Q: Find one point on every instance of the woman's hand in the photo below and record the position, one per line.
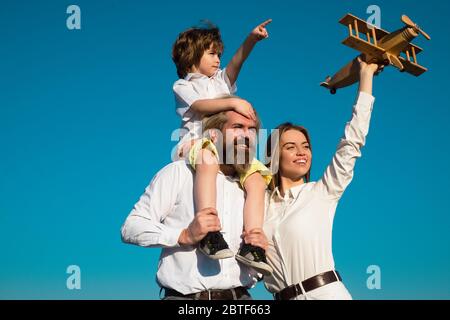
(368, 68)
(366, 73)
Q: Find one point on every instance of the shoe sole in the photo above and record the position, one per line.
(222, 254)
(263, 268)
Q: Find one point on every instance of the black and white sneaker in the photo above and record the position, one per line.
(215, 247)
(254, 257)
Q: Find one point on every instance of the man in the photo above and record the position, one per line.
(165, 217)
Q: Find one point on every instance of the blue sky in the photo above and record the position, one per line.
(86, 117)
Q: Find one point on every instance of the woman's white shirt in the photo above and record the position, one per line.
(299, 224)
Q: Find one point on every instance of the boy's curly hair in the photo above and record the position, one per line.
(190, 45)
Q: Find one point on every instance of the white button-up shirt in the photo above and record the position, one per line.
(165, 209)
(196, 86)
(299, 224)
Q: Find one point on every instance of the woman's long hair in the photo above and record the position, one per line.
(273, 151)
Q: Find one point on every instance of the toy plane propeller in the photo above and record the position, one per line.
(379, 46)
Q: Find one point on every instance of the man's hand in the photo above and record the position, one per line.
(243, 107)
(260, 32)
(256, 237)
(206, 220)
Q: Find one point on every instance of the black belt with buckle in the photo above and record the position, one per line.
(309, 284)
(215, 294)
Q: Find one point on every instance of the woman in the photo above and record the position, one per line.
(299, 216)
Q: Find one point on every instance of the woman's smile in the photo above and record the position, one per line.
(301, 161)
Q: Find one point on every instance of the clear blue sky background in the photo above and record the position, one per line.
(86, 118)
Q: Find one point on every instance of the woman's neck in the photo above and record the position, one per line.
(288, 183)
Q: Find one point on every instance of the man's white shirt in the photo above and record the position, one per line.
(165, 209)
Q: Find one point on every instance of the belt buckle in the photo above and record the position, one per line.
(234, 294)
(298, 290)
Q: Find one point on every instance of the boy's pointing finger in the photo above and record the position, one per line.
(265, 23)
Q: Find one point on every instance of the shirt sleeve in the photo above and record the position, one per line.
(224, 76)
(185, 96)
(144, 225)
(339, 172)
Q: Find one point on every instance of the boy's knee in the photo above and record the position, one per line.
(207, 157)
(208, 163)
(255, 182)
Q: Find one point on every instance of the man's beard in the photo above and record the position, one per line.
(238, 157)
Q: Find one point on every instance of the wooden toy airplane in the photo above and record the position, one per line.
(379, 46)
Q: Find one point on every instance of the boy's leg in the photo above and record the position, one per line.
(255, 189)
(255, 257)
(206, 170)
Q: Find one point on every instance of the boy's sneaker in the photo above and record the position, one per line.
(254, 257)
(215, 247)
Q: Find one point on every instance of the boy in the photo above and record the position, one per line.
(196, 54)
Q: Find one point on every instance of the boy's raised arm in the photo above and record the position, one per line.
(234, 67)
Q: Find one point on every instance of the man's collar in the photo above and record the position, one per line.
(233, 178)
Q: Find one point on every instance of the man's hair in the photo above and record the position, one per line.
(190, 45)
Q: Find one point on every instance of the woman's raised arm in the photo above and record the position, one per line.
(339, 172)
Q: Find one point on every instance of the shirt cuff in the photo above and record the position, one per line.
(170, 236)
(365, 99)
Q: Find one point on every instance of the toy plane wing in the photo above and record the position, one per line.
(367, 44)
(363, 46)
(360, 25)
(409, 61)
(411, 67)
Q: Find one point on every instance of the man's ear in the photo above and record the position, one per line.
(212, 135)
